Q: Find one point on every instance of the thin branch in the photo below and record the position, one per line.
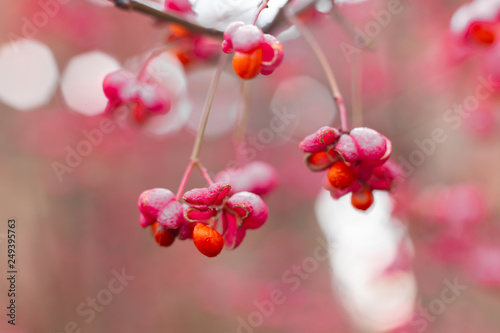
(347, 25)
(313, 43)
(280, 17)
(158, 13)
(208, 105)
(356, 86)
(263, 5)
(184, 180)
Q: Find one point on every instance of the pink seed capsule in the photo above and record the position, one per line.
(272, 54)
(114, 82)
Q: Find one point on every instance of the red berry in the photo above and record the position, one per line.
(482, 33)
(318, 161)
(248, 64)
(139, 112)
(207, 240)
(362, 199)
(341, 175)
(163, 236)
(177, 32)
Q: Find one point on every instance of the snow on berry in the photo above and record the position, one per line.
(214, 195)
(246, 211)
(204, 210)
(255, 52)
(362, 145)
(159, 205)
(357, 162)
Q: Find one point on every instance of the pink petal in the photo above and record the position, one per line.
(182, 6)
(371, 145)
(213, 195)
(145, 220)
(114, 82)
(250, 207)
(233, 235)
(221, 191)
(272, 54)
(319, 140)
(227, 46)
(151, 96)
(171, 216)
(347, 148)
(151, 202)
(384, 176)
(199, 213)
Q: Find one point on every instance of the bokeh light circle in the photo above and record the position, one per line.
(29, 74)
(82, 79)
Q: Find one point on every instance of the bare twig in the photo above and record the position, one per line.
(347, 25)
(158, 13)
(356, 86)
(313, 43)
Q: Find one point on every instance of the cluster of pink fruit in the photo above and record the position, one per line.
(142, 98)
(357, 162)
(214, 216)
(254, 51)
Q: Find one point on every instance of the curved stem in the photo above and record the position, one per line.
(357, 107)
(263, 5)
(184, 180)
(347, 25)
(201, 132)
(208, 105)
(204, 173)
(155, 54)
(242, 118)
(313, 43)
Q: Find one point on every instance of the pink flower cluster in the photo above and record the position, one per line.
(142, 99)
(357, 162)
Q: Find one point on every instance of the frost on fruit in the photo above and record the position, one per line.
(361, 146)
(213, 195)
(159, 205)
(357, 162)
(204, 212)
(255, 52)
